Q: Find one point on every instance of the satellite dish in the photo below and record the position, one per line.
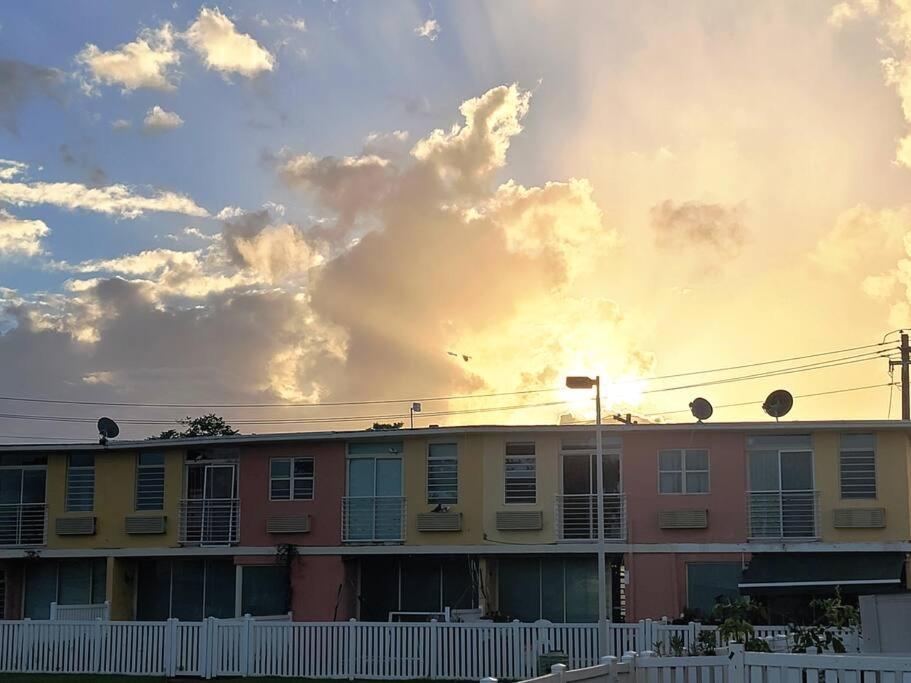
(701, 409)
(778, 403)
(107, 429)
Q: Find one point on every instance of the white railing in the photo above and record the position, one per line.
(789, 515)
(81, 612)
(577, 517)
(209, 521)
(373, 519)
(337, 650)
(23, 524)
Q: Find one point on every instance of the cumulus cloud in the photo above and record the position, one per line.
(159, 120)
(863, 238)
(120, 124)
(274, 252)
(9, 169)
(698, 224)
(147, 62)
(215, 38)
(115, 200)
(430, 29)
(20, 237)
(850, 10)
(20, 82)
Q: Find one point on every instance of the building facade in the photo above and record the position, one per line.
(495, 521)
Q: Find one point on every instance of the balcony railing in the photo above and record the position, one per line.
(23, 524)
(209, 521)
(577, 517)
(373, 519)
(784, 515)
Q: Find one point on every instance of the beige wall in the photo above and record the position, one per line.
(892, 482)
(121, 588)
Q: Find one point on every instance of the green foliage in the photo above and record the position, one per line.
(736, 617)
(833, 615)
(386, 426)
(677, 645)
(204, 425)
(704, 645)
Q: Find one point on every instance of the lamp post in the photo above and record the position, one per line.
(587, 383)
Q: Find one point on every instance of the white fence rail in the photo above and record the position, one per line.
(341, 650)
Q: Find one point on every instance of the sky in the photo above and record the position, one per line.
(236, 207)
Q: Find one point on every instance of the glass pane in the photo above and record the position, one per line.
(265, 590)
(458, 587)
(280, 468)
(82, 460)
(669, 460)
(151, 459)
(375, 448)
(519, 583)
(670, 482)
(697, 460)
(797, 471)
(33, 486)
(10, 486)
(303, 467)
(389, 477)
(195, 479)
(552, 605)
(188, 584)
(153, 590)
(697, 482)
(75, 582)
(40, 588)
(220, 482)
(611, 472)
(764, 471)
(709, 581)
(421, 580)
(220, 580)
(576, 475)
(99, 580)
(360, 476)
(303, 489)
(581, 589)
(281, 489)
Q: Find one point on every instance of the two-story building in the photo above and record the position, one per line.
(497, 520)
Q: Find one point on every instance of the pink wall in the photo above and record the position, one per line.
(658, 585)
(325, 509)
(727, 483)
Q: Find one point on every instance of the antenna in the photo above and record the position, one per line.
(701, 409)
(107, 429)
(778, 403)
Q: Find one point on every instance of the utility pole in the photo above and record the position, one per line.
(904, 363)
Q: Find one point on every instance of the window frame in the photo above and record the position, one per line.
(841, 451)
(291, 478)
(534, 459)
(684, 470)
(453, 499)
(69, 469)
(139, 469)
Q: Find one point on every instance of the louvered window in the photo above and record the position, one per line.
(442, 473)
(858, 466)
(521, 473)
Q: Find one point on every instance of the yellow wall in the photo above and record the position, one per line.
(115, 491)
(471, 503)
(547, 448)
(121, 580)
(892, 481)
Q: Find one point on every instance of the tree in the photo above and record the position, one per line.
(385, 426)
(204, 425)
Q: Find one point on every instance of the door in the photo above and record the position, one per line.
(22, 499)
(579, 502)
(374, 502)
(211, 507)
(782, 499)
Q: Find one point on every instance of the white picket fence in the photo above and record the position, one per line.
(250, 647)
(733, 665)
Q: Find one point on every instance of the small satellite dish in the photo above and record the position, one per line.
(778, 403)
(107, 429)
(701, 409)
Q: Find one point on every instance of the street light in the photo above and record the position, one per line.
(578, 382)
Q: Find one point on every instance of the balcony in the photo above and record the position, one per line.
(23, 524)
(373, 519)
(783, 515)
(209, 521)
(577, 517)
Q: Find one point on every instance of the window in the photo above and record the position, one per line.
(858, 466)
(442, 473)
(80, 483)
(66, 582)
(187, 589)
(150, 481)
(291, 479)
(264, 591)
(683, 471)
(706, 582)
(561, 590)
(521, 484)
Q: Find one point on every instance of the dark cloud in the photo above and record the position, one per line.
(20, 82)
(699, 225)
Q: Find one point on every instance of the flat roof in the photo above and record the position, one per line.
(793, 426)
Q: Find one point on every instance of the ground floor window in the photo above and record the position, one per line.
(186, 589)
(264, 590)
(416, 584)
(709, 582)
(561, 590)
(66, 582)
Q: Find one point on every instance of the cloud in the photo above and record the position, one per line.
(19, 237)
(9, 169)
(20, 82)
(863, 239)
(430, 29)
(147, 62)
(158, 120)
(273, 252)
(216, 40)
(121, 124)
(114, 200)
(295, 23)
(686, 225)
(849, 10)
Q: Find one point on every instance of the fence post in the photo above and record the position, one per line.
(558, 670)
(629, 657)
(96, 647)
(694, 634)
(246, 644)
(517, 664)
(204, 649)
(641, 636)
(53, 614)
(350, 632)
(736, 669)
(432, 665)
(611, 664)
(170, 648)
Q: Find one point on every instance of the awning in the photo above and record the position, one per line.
(853, 572)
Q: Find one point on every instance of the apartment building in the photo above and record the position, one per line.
(501, 520)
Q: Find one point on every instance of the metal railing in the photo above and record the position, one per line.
(373, 519)
(100, 610)
(783, 514)
(209, 521)
(23, 524)
(577, 517)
